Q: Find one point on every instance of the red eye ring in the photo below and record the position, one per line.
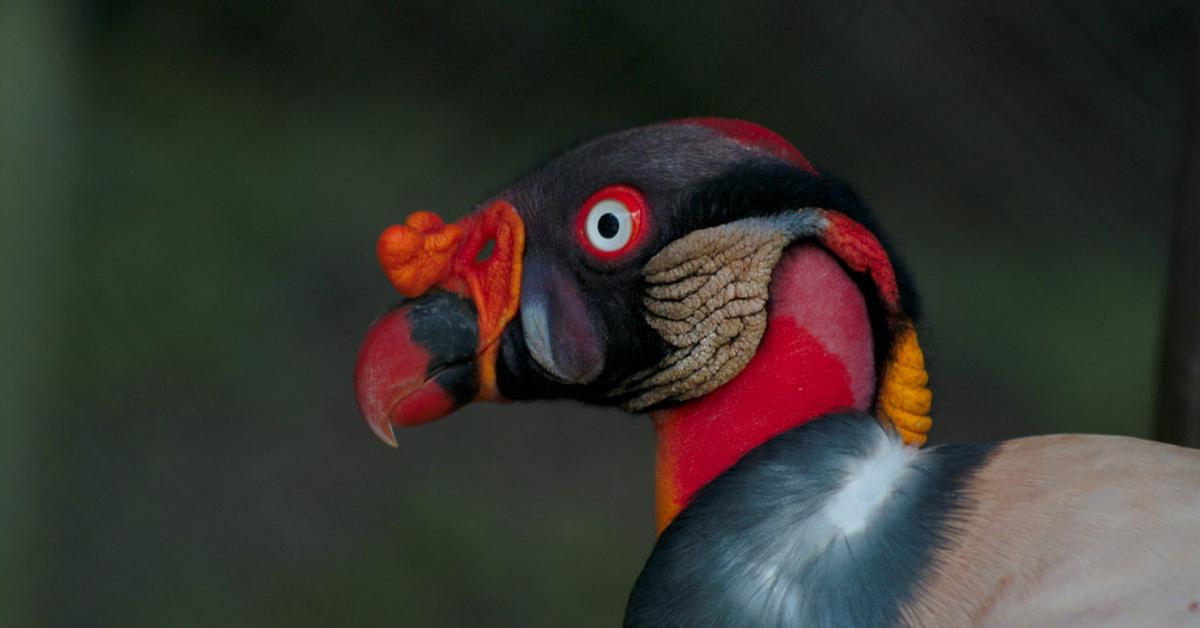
(611, 222)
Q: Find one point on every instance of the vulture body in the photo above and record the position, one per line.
(838, 523)
(703, 272)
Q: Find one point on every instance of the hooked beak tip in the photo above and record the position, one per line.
(384, 430)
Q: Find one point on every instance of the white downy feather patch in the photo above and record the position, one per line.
(869, 481)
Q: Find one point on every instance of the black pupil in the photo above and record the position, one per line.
(608, 226)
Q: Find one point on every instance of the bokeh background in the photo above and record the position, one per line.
(190, 194)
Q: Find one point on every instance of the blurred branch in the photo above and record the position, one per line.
(1179, 390)
(34, 105)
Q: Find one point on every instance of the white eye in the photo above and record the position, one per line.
(612, 222)
(609, 225)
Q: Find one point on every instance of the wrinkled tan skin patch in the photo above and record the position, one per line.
(707, 297)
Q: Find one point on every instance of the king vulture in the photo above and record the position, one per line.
(703, 272)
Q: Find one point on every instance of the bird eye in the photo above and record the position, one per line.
(610, 222)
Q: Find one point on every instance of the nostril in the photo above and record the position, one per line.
(485, 253)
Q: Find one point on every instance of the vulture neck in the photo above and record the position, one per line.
(817, 356)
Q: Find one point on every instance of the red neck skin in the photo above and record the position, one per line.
(816, 357)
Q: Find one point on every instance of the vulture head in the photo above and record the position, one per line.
(700, 270)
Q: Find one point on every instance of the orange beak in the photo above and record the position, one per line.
(437, 351)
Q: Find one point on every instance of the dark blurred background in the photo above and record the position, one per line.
(190, 196)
